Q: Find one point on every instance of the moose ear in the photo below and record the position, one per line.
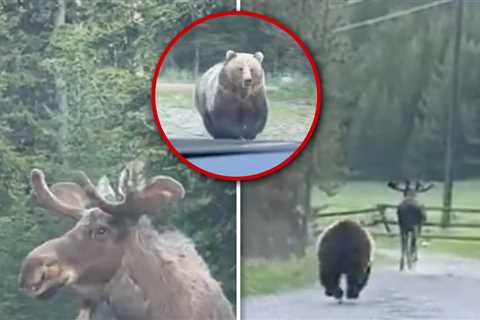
(259, 56)
(161, 189)
(230, 55)
(165, 188)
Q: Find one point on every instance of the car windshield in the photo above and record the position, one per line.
(202, 147)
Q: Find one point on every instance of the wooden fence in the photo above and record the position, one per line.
(379, 217)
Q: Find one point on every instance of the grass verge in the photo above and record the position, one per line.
(265, 277)
(260, 276)
(467, 249)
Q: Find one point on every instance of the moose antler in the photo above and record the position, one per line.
(420, 187)
(98, 199)
(396, 185)
(136, 200)
(409, 188)
(55, 200)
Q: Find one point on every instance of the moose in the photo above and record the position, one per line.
(113, 254)
(344, 248)
(411, 216)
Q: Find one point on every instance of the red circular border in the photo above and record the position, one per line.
(307, 54)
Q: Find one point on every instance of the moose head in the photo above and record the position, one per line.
(89, 255)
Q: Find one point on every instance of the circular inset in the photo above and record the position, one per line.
(255, 102)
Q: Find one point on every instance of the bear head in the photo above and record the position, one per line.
(244, 71)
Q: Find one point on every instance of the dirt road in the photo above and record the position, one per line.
(441, 287)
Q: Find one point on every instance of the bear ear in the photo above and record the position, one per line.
(259, 56)
(230, 55)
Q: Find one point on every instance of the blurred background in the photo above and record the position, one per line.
(75, 94)
(399, 81)
(289, 78)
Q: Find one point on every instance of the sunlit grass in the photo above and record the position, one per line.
(365, 194)
(260, 276)
(467, 249)
(263, 276)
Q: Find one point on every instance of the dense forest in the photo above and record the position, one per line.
(394, 82)
(387, 70)
(74, 94)
(207, 43)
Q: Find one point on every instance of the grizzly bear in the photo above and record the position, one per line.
(231, 98)
(344, 248)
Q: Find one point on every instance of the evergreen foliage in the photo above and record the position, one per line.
(102, 61)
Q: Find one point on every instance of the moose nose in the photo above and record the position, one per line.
(31, 276)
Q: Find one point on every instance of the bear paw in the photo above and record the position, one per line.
(336, 293)
(352, 294)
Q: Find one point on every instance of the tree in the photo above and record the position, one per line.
(104, 54)
(322, 163)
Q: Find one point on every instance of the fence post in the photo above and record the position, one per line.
(383, 217)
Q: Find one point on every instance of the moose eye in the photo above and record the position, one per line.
(99, 232)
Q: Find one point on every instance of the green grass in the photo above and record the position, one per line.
(264, 277)
(467, 249)
(364, 194)
(300, 88)
(175, 75)
(272, 276)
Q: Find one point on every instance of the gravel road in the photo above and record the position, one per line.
(441, 287)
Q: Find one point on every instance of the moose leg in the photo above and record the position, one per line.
(413, 245)
(403, 244)
(87, 308)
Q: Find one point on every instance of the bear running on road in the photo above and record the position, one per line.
(231, 98)
(344, 248)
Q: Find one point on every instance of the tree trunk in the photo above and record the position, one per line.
(452, 119)
(196, 61)
(271, 220)
(60, 89)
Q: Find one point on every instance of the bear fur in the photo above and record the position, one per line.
(231, 98)
(344, 248)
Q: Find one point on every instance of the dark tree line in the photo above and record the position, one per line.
(211, 40)
(386, 88)
(74, 94)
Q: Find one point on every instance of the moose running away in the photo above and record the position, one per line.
(411, 215)
(114, 255)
